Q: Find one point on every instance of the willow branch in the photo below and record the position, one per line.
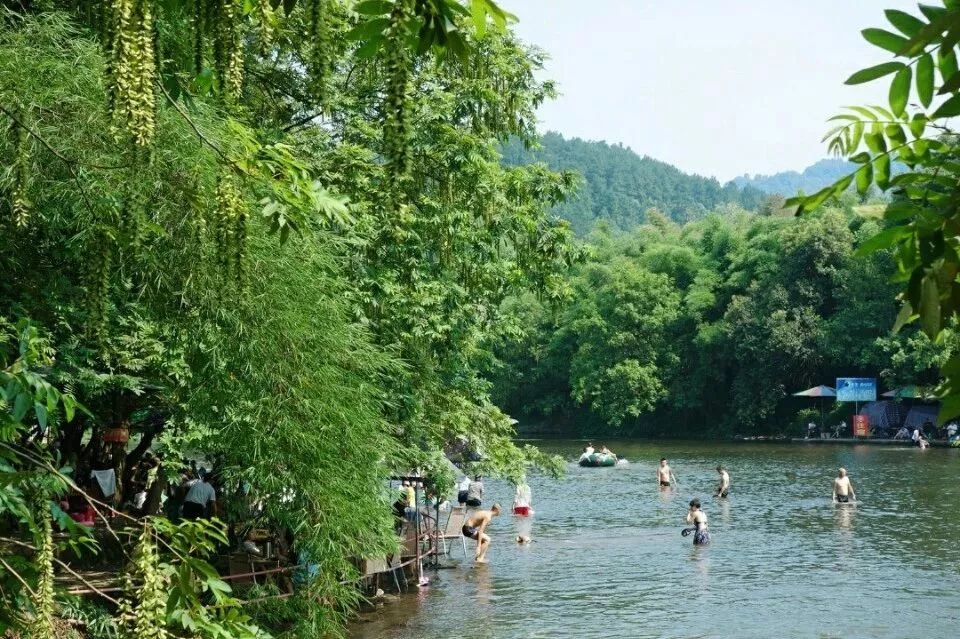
(51, 148)
(66, 567)
(19, 578)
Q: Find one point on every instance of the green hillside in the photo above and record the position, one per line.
(620, 185)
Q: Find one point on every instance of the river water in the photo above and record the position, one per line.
(608, 559)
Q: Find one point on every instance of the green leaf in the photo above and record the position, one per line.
(20, 407)
(40, 410)
(894, 133)
(369, 48)
(925, 79)
(860, 158)
(904, 317)
(882, 240)
(948, 109)
(930, 307)
(951, 85)
(918, 124)
(872, 73)
(69, 406)
(875, 141)
(901, 210)
(884, 39)
(479, 18)
(864, 178)
(881, 171)
(374, 7)
(369, 29)
(905, 23)
(900, 90)
(932, 12)
(947, 63)
(856, 136)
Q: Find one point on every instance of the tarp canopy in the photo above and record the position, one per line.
(817, 391)
(910, 392)
(885, 416)
(919, 415)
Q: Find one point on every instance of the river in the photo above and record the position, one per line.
(608, 559)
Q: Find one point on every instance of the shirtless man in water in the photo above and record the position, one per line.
(842, 488)
(723, 488)
(475, 528)
(665, 476)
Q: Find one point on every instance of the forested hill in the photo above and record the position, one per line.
(788, 183)
(620, 186)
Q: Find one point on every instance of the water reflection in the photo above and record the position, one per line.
(608, 559)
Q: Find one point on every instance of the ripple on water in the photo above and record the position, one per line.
(608, 559)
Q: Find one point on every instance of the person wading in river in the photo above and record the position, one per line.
(723, 488)
(695, 516)
(665, 476)
(475, 528)
(842, 488)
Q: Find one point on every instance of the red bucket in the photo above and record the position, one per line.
(521, 510)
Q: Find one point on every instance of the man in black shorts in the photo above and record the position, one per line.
(474, 528)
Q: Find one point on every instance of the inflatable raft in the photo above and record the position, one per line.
(597, 459)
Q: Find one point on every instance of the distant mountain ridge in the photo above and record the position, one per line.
(620, 186)
(788, 183)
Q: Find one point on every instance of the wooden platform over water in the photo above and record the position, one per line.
(870, 441)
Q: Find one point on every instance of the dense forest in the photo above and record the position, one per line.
(302, 243)
(619, 187)
(706, 328)
(787, 183)
(265, 237)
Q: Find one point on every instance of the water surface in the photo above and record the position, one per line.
(608, 559)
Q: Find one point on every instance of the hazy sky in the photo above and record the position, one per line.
(716, 87)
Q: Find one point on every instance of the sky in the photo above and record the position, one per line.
(715, 87)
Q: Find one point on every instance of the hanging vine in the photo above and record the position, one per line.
(99, 268)
(143, 610)
(228, 47)
(42, 625)
(133, 69)
(321, 60)
(267, 18)
(396, 124)
(20, 205)
(231, 236)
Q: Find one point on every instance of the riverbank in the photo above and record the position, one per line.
(935, 443)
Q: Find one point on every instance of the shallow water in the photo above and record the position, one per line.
(608, 559)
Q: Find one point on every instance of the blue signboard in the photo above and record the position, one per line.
(856, 389)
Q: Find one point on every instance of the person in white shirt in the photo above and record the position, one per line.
(475, 492)
(200, 497)
(462, 489)
(916, 436)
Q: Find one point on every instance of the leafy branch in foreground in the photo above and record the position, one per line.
(923, 220)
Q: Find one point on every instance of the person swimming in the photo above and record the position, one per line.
(842, 488)
(695, 516)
